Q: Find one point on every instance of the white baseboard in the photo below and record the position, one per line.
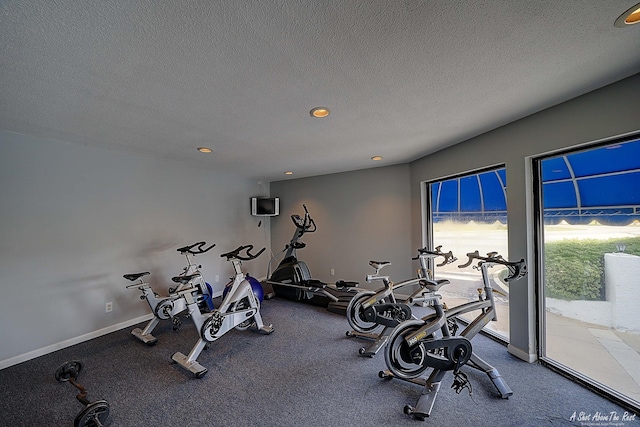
(77, 340)
(520, 354)
(73, 341)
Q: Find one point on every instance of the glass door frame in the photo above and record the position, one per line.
(535, 163)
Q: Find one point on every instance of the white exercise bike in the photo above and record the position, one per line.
(169, 307)
(240, 309)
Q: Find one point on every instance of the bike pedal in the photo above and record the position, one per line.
(176, 323)
(460, 382)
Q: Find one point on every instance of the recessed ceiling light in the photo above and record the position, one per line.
(205, 149)
(376, 158)
(630, 17)
(288, 173)
(319, 112)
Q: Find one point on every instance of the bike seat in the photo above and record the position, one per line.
(185, 279)
(341, 284)
(135, 276)
(378, 264)
(433, 285)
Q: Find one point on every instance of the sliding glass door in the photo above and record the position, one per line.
(469, 213)
(589, 234)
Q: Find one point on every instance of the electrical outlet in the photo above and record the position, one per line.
(333, 272)
(217, 278)
(108, 307)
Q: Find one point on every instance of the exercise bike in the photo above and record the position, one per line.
(416, 345)
(240, 309)
(292, 278)
(169, 307)
(371, 309)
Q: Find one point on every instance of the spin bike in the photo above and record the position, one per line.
(171, 306)
(371, 309)
(240, 309)
(416, 345)
(292, 278)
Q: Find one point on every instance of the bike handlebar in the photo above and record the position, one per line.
(197, 245)
(517, 269)
(448, 256)
(306, 224)
(236, 253)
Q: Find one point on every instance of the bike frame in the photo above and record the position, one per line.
(434, 322)
(163, 308)
(389, 287)
(169, 307)
(212, 326)
(370, 298)
(485, 303)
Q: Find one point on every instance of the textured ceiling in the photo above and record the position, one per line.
(402, 78)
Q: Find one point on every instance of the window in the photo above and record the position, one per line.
(589, 231)
(469, 213)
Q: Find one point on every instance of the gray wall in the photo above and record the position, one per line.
(74, 219)
(361, 216)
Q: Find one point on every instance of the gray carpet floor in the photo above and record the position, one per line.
(307, 373)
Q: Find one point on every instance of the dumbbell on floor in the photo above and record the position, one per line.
(94, 414)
